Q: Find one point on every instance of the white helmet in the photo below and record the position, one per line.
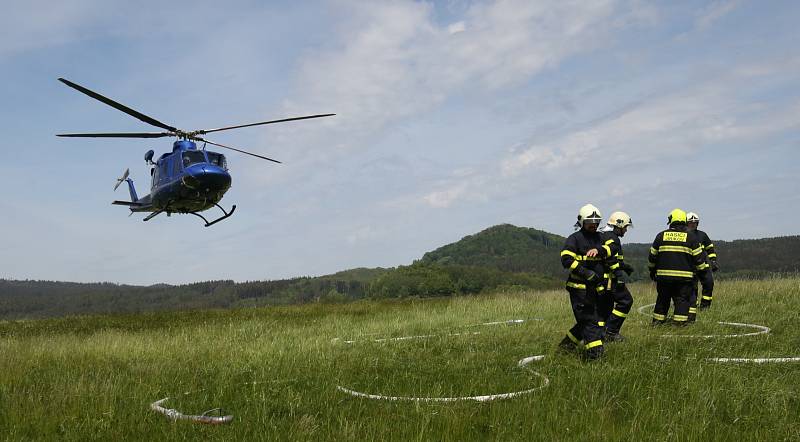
(588, 213)
(692, 217)
(620, 219)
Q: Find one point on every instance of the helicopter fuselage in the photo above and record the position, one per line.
(186, 180)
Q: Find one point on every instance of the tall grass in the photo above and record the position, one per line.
(276, 370)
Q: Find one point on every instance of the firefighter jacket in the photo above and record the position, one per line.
(617, 268)
(708, 246)
(585, 270)
(676, 255)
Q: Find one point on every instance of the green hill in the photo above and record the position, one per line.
(522, 249)
(505, 247)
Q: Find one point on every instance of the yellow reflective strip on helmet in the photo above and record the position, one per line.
(593, 344)
(573, 338)
(575, 263)
(575, 285)
(567, 252)
(680, 318)
(608, 250)
(707, 298)
(678, 273)
(659, 317)
(653, 251)
(692, 309)
(618, 313)
(680, 249)
(601, 323)
(615, 266)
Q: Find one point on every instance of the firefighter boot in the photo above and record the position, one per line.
(566, 345)
(614, 336)
(594, 353)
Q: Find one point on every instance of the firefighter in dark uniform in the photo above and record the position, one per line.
(675, 256)
(619, 304)
(692, 221)
(585, 256)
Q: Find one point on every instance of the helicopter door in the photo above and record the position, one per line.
(161, 174)
(176, 166)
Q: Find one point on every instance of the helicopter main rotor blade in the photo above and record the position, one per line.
(237, 150)
(118, 106)
(122, 135)
(203, 132)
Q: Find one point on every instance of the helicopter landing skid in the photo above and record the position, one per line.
(227, 214)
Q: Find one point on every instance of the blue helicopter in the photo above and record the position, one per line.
(185, 180)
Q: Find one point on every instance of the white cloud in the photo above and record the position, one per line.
(393, 60)
(457, 27)
(678, 124)
(444, 198)
(713, 12)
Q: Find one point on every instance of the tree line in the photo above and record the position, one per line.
(500, 258)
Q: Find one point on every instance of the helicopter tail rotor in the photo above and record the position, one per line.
(122, 178)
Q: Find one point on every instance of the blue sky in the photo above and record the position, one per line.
(452, 116)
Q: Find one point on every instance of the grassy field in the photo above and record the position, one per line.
(277, 371)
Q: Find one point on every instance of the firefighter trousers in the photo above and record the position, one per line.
(621, 303)
(707, 283)
(587, 319)
(679, 292)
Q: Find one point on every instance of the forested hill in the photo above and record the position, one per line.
(504, 247)
(522, 249)
(500, 258)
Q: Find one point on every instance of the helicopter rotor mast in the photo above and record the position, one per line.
(172, 131)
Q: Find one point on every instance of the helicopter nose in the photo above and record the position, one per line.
(210, 177)
(216, 178)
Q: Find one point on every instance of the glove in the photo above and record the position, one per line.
(714, 265)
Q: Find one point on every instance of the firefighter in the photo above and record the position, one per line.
(585, 256)
(692, 221)
(619, 304)
(675, 256)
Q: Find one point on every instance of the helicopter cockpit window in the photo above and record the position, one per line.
(193, 157)
(217, 159)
